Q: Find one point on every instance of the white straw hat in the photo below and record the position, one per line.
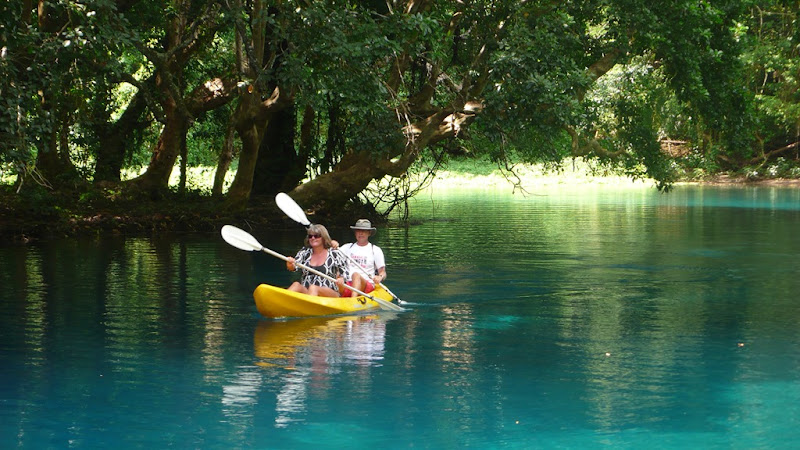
(364, 224)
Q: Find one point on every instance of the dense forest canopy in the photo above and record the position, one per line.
(324, 99)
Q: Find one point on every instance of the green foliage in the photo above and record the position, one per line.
(532, 96)
(720, 75)
(771, 37)
(699, 51)
(206, 138)
(50, 70)
(333, 53)
(16, 98)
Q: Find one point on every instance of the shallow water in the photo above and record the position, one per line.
(573, 317)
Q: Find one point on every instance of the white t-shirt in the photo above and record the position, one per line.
(369, 256)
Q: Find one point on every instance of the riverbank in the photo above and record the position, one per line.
(29, 218)
(528, 177)
(25, 219)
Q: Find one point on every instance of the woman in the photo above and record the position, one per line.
(317, 255)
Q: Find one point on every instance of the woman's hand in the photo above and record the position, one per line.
(290, 264)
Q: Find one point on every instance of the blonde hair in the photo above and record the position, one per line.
(315, 228)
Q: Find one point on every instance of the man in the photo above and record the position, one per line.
(366, 255)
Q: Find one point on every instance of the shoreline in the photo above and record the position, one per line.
(21, 224)
(529, 177)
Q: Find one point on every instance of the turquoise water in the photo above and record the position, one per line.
(594, 317)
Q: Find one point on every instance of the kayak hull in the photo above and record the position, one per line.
(275, 302)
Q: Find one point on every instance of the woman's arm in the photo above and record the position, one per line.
(302, 256)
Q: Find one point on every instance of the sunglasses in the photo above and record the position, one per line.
(315, 236)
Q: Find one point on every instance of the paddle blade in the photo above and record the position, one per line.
(240, 239)
(291, 209)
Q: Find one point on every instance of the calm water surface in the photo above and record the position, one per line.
(572, 318)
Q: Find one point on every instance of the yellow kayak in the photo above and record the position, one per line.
(273, 302)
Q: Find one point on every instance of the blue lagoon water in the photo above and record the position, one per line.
(591, 317)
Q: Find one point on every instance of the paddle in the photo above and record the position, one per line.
(291, 209)
(295, 212)
(245, 241)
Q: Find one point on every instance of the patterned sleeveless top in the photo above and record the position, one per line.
(335, 265)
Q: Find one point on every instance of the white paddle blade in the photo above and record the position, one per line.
(291, 209)
(240, 239)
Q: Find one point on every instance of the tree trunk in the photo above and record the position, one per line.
(225, 158)
(184, 157)
(306, 134)
(357, 170)
(209, 95)
(239, 193)
(252, 118)
(110, 157)
(334, 144)
(333, 189)
(277, 164)
(180, 108)
(156, 178)
(114, 138)
(52, 160)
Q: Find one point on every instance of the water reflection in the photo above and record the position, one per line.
(543, 321)
(305, 355)
(329, 341)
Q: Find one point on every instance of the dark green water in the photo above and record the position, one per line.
(572, 318)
